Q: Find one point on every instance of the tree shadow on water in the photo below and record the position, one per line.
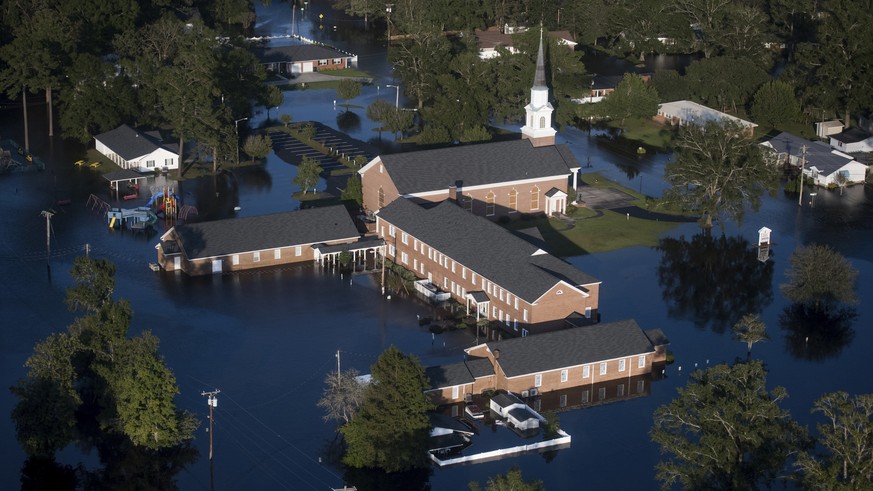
(377, 480)
(713, 281)
(816, 335)
(348, 122)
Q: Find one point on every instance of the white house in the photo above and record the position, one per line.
(853, 140)
(825, 129)
(819, 161)
(688, 112)
(489, 40)
(141, 151)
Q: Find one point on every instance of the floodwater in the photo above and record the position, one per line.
(267, 339)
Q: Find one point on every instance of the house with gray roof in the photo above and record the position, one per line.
(495, 179)
(304, 58)
(137, 150)
(821, 164)
(554, 361)
(236, 244)
(498, 275)
(852, 140)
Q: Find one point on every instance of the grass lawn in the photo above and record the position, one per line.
(641, 201)
(609, 232)
(347, 72)
(646, 131)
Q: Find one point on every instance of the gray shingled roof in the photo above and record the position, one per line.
(852, 135)
(540, 73)
(258, 233)
(473, 165)
(129, 143)
(818, 154)
(458, 373)
(570, 347)
(506, 399)
(304, 52)
(484, 247)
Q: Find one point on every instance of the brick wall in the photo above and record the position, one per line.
(371, 180)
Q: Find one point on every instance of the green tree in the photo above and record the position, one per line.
(511, 481)
(342, 396)
(725, 431)
(94, 385)
(633, 98)
(308, 173)
(286, 119)
(257, 146)
(353, 191)
(476, 134)
(670, 85)
(725, 83)
(390, 430)
(348, 89)
(718, 170)
(93, 284)
(847, 437)
(750, 330)
(775, 104)
(819, 277)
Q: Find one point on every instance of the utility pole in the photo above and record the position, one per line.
(802, 165)
(388, 7)
(48, 214)
(338, 379)
(212, 400)
(87, 250)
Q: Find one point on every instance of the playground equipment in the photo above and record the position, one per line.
(166, 202)
(139, 218)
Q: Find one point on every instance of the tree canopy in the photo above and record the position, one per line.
(93, 383)
(308, 173)
(633, 98)
(725, 431)
(750, 330)
(819, 278)
(390, 430)
(718, 170)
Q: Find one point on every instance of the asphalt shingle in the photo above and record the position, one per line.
(258, 233)
(484, 247)
(473, 165)
(129, 143)
(570, 347)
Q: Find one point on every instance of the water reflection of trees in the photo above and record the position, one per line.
(254, 177)
(817, 335)
(713, 281)
(123, 466)
(348, 121)
(216, 196)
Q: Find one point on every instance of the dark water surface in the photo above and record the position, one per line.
(268, 338)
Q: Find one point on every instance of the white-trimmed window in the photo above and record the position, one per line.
(601, 393)
(391, 230)
(562, 401)
(150, 164)
(453, 266)
(564, 375)
(586, 371)
(430, 254)
(524, 315)
(277, 254)
(404, 238)
(489, 204)
(585, 396)
(464, 273)
(603, 368)
(535, 198)
(414, 264)
(641, 361)
(391, 250)
(381, 196)
(621, 365)
(169, 162)
(501, 294)
(516, 303)
(455, 392)
(508, 298)
(513, 201)
(234, 259)
(298, 250)
(587, 312)
(415, 245)
(474, 279)
(256, 257)
(538, 380)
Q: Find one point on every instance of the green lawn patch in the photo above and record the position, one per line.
(646, 131)
(347, 72)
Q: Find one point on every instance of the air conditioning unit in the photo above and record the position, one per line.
(533, 392)
(524, 393)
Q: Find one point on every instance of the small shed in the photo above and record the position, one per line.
(825, 129)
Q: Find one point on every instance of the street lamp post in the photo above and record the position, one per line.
(396, 96)
(236, 127)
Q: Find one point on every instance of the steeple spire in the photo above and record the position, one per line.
(538, 113)
(540, 75)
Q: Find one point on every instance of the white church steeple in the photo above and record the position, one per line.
(538, 113)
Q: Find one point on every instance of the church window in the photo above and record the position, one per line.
(381, 197)
(535, 198)
(542, 121)
(513, 201)
(489, 204)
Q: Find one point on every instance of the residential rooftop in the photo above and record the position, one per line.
(129, 143)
